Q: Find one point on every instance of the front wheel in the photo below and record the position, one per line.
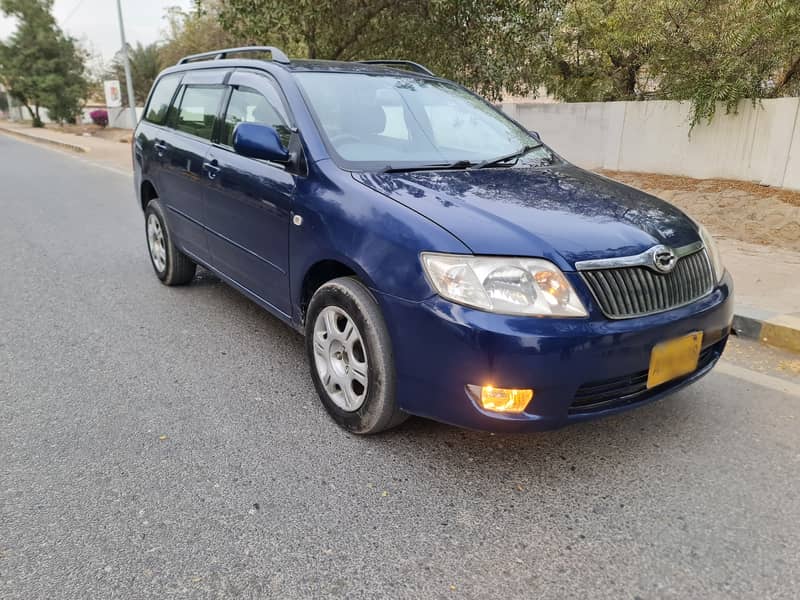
(350, 354)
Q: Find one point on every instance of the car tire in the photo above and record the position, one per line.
(171, 265)
(350, 354)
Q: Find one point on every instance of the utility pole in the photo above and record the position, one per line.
(126, 62)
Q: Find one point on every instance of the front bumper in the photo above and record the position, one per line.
(440, 347)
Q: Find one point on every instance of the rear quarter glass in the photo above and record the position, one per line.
(161, 98)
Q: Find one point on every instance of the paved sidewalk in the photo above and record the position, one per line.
(764, 276)
(767, 278)
(115, 155)
(767, 284)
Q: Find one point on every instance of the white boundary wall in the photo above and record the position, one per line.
(117, 117)
(760, 143)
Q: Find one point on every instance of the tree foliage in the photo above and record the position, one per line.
(705, 51)
(194, 31)
(40, 65)
(496, 47)
(598, 51)
(489, 45)
(723, 51)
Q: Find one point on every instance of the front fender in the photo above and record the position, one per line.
(376, 237)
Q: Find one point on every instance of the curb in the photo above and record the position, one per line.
(772, 329)
(42, 140)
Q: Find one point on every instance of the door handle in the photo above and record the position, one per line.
(160, 147)
(212, 168)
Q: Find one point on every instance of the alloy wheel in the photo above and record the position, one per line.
(340, 358)
(156, 243)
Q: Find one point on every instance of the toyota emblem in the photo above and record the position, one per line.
(664, 259)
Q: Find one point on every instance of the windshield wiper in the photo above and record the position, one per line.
(459, 164)
(506, 157)
(464, 164)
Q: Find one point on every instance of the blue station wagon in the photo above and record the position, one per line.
(440, 260)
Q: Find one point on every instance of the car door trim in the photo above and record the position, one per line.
(226, 239)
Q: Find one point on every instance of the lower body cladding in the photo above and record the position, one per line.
(578, 369)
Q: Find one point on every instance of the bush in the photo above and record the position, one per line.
(99, 117)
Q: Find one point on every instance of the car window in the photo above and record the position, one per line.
(249, 106)
(402, 121)
(460, 130)
(395, 123)
(161, 97)
(198, 110)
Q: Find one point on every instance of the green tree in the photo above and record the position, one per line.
(490, 45)
(145, 62)
(193, 31)
(724, 51)
(327, 29)
(704, 51)
(495, 47)
(598, 52)
(40, 65)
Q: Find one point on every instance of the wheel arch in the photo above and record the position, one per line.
(147, 192)
(323, 271)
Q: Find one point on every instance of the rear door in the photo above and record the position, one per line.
(147, 149)
(250, 201)
(184, 177)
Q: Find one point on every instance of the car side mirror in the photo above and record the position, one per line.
(535, 135)
(256, 140)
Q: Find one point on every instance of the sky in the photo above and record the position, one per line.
(94, 22)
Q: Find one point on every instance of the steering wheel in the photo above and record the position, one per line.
(342, 137)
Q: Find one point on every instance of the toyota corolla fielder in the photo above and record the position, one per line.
(440, 260)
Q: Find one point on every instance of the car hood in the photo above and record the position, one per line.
(561, 213)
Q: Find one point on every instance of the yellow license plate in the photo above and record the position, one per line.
(674, 358)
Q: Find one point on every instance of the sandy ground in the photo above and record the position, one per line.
(731, 209)
(85, 130)
(108, 133)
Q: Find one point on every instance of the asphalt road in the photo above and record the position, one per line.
(160, 443)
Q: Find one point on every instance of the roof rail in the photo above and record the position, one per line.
(277, 54)
(412, 66)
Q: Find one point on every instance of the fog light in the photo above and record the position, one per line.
(501, 399)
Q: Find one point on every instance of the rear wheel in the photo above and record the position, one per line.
(171, 265)
(350, 355)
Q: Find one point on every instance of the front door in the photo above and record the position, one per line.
(250, 201)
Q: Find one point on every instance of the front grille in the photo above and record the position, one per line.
(634, 291)
(611, 393)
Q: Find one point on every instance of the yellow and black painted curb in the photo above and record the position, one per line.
(772, 329)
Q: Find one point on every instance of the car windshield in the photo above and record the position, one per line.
(404, 122)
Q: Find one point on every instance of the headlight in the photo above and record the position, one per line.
(713, 252)
(509, 286)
